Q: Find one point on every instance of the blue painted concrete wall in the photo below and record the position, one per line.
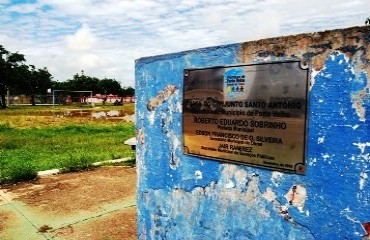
(183, 197)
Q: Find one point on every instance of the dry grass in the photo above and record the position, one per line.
(34, 139)
(47, 116)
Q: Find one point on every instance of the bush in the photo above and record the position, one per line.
(23, 170)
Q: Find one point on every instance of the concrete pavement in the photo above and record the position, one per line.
(97, 204)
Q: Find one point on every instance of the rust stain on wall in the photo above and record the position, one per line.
(316, 47)
(141, 136)
(162, 96)
(366, 227)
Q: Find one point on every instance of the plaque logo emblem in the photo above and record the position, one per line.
(235, 84)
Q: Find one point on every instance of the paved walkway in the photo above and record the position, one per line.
(97, 204)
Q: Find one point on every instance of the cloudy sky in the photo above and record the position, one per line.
(104, 37)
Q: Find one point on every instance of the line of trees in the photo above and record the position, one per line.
(81, 82)
(20, 78)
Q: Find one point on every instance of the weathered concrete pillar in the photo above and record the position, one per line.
(188, 197)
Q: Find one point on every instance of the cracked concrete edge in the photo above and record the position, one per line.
(93, 217)
(56, 171)
(22, 227)
(107, 209)
(33, 221)
(5, 199)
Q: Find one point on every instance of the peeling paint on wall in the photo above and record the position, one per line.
(315, 47)
(219, 212)
(185, 197)
(297, 196)
(161, 97)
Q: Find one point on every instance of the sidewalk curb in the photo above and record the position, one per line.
(57, 171)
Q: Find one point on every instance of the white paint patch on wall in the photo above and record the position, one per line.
(176, 142)
(233, 176)
(179, 107)
(362, 146)
(229, 184)
(151, 117)
(312, 162)
(198, 174)
(241, 177)
(275, 177)
(312, 80)
(325, 156)
(363, 178)
(354, 127)
(269, 195)
(297, 196)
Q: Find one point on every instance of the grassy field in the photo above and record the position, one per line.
(45, 137)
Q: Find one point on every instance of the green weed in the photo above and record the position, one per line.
(72, 145)
(23, 170)
(77, 164)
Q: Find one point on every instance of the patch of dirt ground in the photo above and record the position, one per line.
(4, 220)
(105, 195)
(114, 226)
(71, 192)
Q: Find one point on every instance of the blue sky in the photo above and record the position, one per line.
(104, 37)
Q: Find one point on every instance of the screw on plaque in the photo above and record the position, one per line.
(300, 168)
(303, 64)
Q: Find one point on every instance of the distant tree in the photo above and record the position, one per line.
(109, 86)
(10, 64)
(35, 82)
(56, 85)
(82, 83)
(128, 92)
(367, 21)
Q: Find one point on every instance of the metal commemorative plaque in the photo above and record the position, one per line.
(248, 114)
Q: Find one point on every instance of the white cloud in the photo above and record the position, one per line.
(104, 37)
(4, 39)
(82, 40)
(84, 61)
(23, 8)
